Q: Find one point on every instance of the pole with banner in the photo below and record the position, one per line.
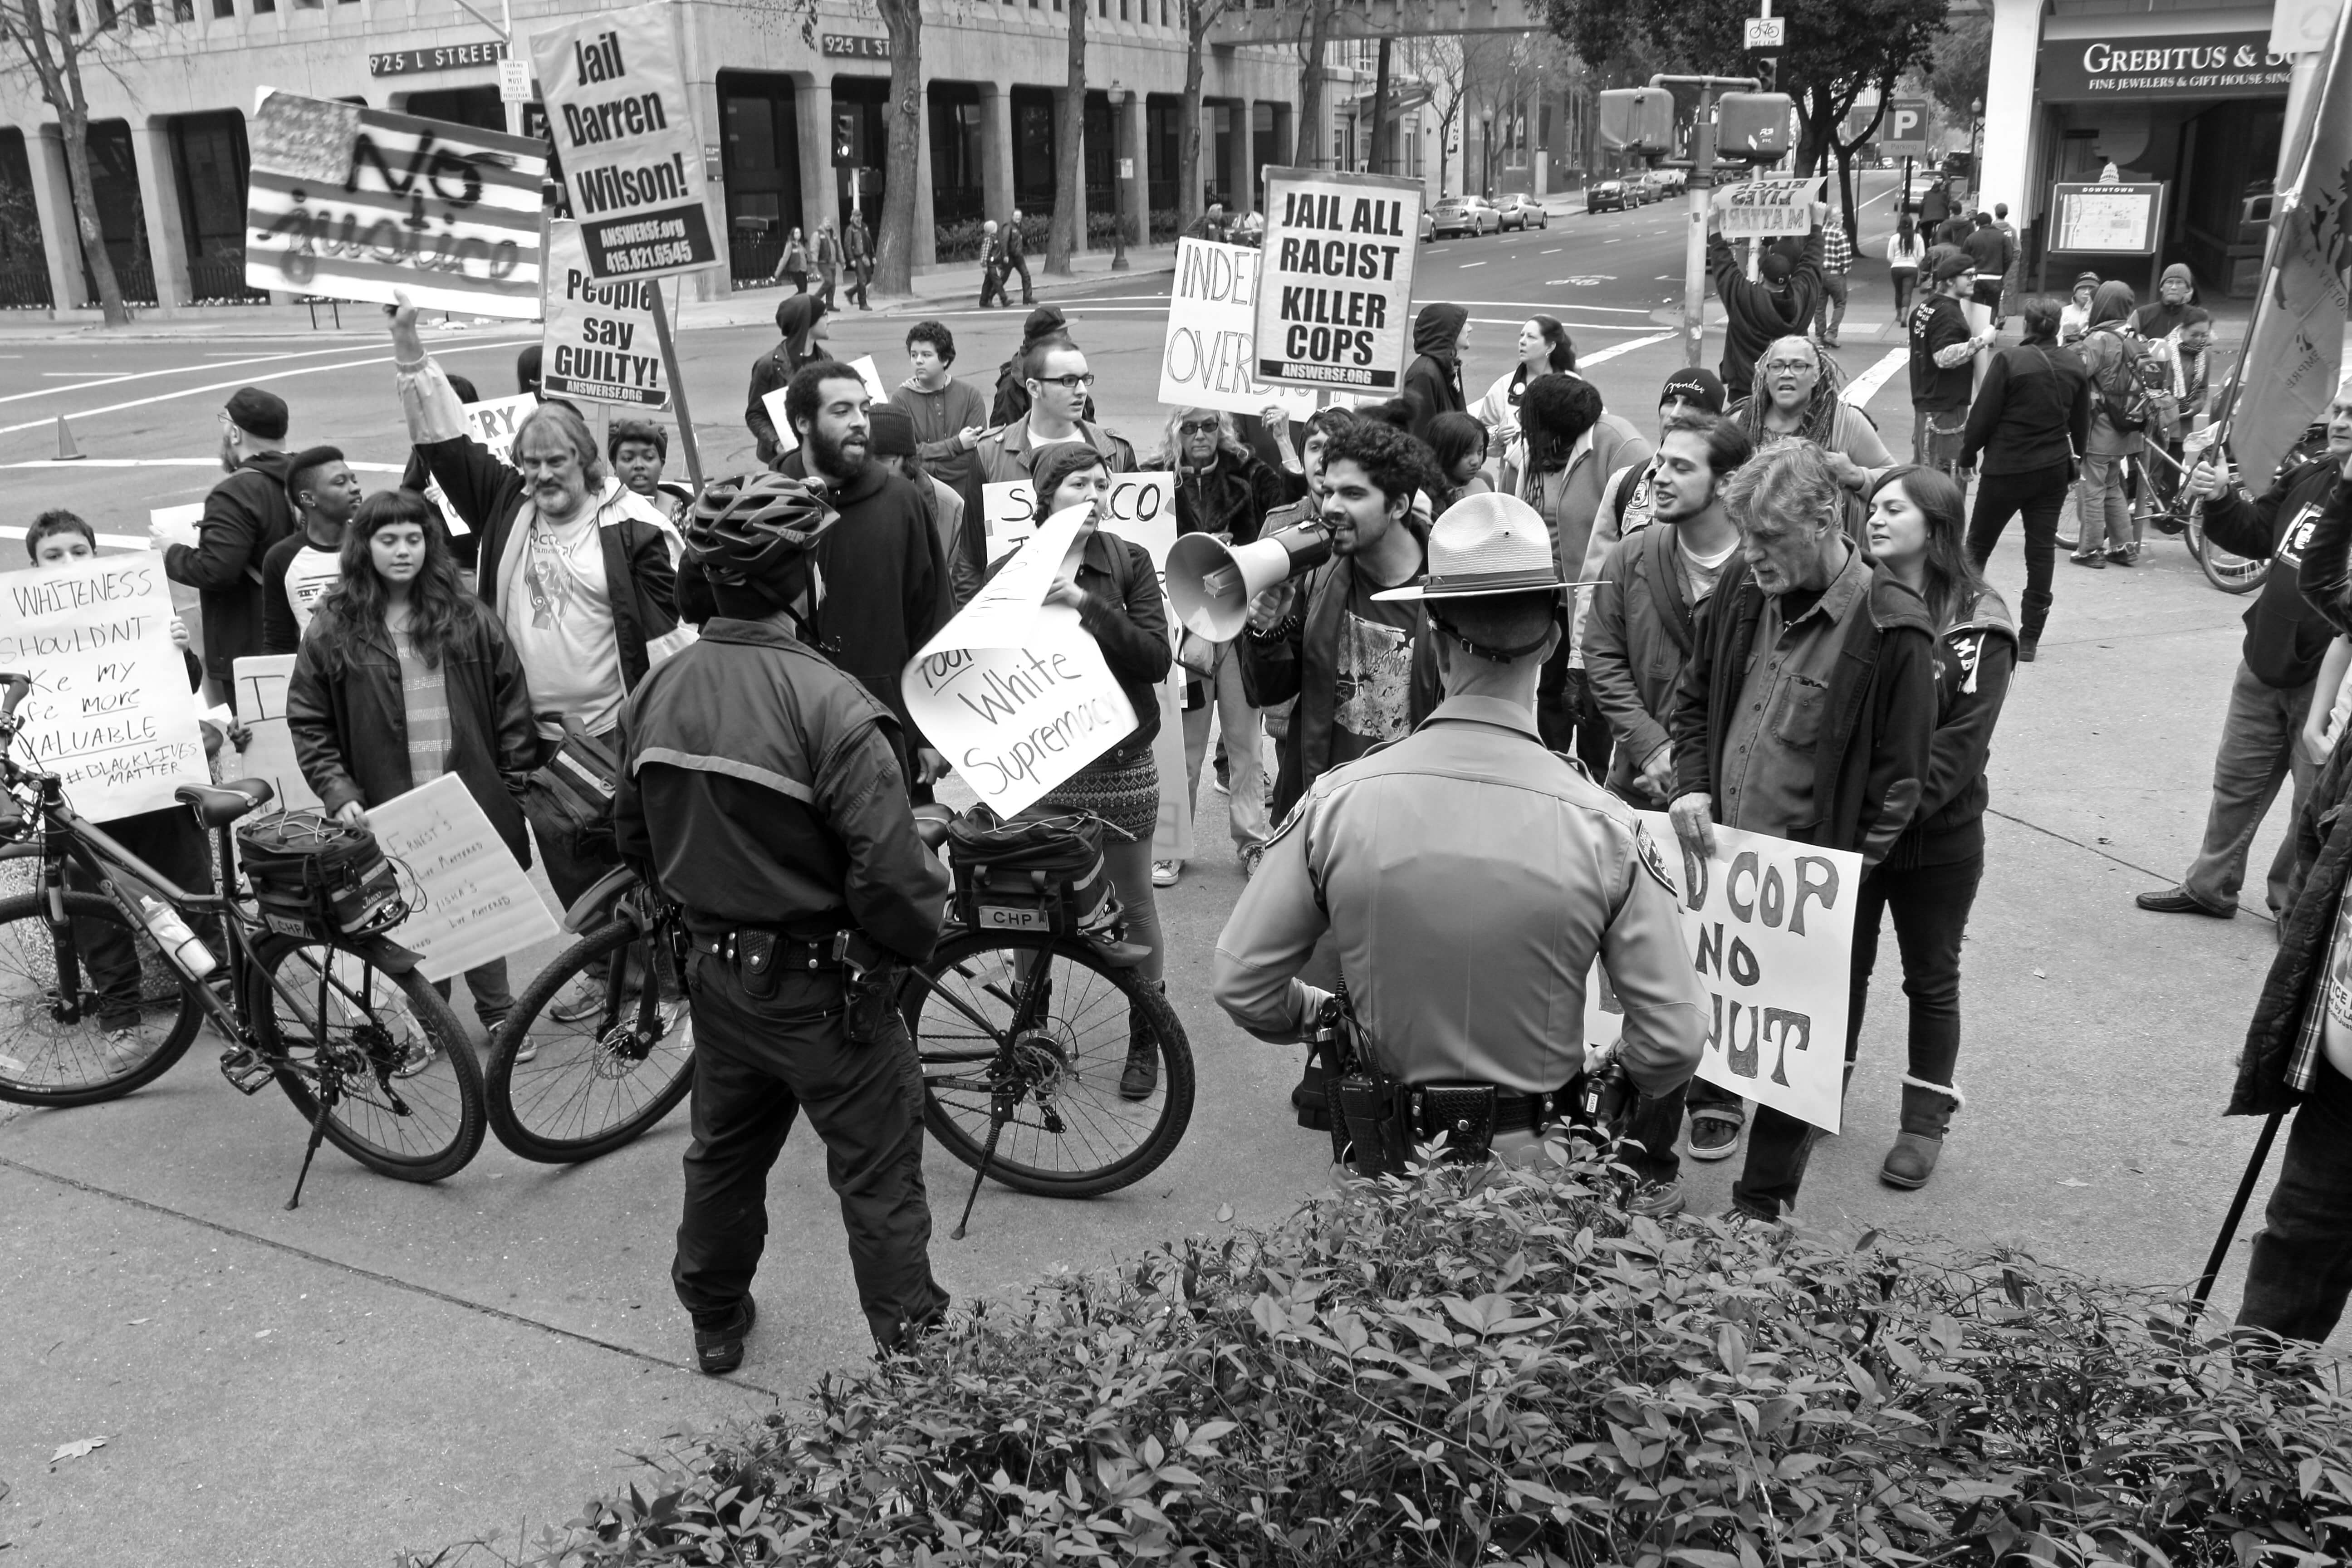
(687, 446)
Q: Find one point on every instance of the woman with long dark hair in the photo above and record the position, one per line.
(1904, 254)
(1115, 592)
(2031, 420)
(1457, 443)
(1544, 349)
(1929, 877)
(405, 676)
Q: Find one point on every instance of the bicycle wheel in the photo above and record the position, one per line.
(600, 1081)
(45, 1060)
(1069, 1132)
(419, 1127)
(2231, 574)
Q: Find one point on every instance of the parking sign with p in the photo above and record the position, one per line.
(1903, 133)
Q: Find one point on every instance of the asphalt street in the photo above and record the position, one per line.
(398, 1366)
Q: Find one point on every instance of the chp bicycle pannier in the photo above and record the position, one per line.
(1047, 877)
(569, 799)
(315, 878)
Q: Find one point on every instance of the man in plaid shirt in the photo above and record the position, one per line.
(1837, 260)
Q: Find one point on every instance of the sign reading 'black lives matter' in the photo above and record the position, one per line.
(618, 114)
(1335, 289)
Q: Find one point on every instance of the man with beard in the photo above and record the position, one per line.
(887, 583)
(245, 515)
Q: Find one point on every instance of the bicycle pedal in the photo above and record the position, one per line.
(245, 1070)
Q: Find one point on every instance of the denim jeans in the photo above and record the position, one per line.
(493, 997)
(2262, 744)
(1237, 723)
(1930, 905)
(2302, 1267)
(1833, 311)
(2102, 515)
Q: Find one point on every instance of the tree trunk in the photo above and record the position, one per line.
(894, 251)
(1308, 152)
(1068, 235)
(73, 125)
(1188, 136)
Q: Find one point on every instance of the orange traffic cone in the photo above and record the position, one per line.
(66, 450)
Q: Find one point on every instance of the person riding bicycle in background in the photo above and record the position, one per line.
(761, 789)
(402, 677)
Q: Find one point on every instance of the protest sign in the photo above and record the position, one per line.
(1139, 507)
(469, 900)
(601, 345)
(169, 525)
(109, 712)
(259, 684)
(1767, 208)
(1335, 293)
(495, 421)
(622, 125)
(773, 402)
(1769, 924)
(1208, 360)
(1014, 690)
(350, 203)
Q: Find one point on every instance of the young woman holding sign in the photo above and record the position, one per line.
(1919, 532)
(1115, 591)
(402, 677)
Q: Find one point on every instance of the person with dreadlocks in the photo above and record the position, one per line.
(1799, 396)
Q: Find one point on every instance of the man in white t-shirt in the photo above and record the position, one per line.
(297, 571)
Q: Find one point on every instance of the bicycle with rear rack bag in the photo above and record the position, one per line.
(103, 983)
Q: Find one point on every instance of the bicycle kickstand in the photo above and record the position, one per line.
(1000, 1113)
(310, 1151)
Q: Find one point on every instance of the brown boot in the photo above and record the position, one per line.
(1927, 1111)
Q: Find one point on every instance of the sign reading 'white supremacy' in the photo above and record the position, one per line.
(354, 203)
(110, 711)
(622, 125)
(1335, 294)
(601, 346)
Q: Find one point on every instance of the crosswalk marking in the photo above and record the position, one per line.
(1865, 386)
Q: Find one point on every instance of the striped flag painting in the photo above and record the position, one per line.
(350, 203)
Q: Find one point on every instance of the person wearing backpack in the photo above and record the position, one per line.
(2111, 355)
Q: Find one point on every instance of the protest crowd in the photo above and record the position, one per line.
(1577, 665)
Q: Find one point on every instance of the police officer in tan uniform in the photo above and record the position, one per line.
(1468, 876)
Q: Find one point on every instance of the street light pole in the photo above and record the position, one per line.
(1119, 165)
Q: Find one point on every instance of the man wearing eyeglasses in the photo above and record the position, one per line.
(1058, 381)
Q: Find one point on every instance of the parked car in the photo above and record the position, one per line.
(1472, 215)
(1608, 195)
(1644, 186)
(1521, 211)
(1428, 225)
(1673, 182)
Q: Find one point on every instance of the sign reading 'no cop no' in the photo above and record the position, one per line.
(624, 132)
(1335, 291)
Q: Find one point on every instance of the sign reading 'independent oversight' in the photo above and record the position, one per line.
(624, 132)
(1335, 290)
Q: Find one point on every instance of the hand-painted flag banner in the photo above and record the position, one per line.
(351, 203)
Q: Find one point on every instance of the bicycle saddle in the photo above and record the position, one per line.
(931, 824)
(219, 807)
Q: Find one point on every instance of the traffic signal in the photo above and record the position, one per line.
(1638, 120)
(1752, 127)
(845, 137)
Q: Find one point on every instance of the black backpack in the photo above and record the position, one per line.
(2123, 381)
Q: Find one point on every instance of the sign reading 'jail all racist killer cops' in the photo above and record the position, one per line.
(622, 125)
(601, 345)
(1335, 291)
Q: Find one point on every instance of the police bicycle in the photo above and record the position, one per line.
(320, 1002)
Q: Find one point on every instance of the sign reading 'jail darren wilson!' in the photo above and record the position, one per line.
(618, 114)
(1335, 291)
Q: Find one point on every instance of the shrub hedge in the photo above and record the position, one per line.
(1442, 1373)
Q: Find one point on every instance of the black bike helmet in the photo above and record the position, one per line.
(757, 530)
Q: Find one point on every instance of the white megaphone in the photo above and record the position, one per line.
(1211, 585)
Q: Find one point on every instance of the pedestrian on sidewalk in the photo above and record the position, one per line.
(1807, 711)
(991, 266)
(1941, 348)
(1992, 251)
(2106, 530)
(828, 265)
(1837, 260)
(2286, 640)
(858, 250)
(793, 264)
(2009, 279)
(1016, 260)
(404, 676)
(2161, 317)
(2030, 419)
(2075, 319)
(1904, 255)
(1929, 879)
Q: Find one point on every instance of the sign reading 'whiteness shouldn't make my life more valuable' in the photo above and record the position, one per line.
(622, 125)
(601, 345)
(350, 203)
(1209, 358)
(110, 711)
(1335, 286)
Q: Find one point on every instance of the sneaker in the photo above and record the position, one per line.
(585, 1003)
(123, 1049)
(1218, 782)
(525, 1049)
(1715, 1132)
(1251, 855)
(2126, 556)
(1657, 1200)
(719, 1351)
(2095, 562)
(1165, 872)
(421, 1052)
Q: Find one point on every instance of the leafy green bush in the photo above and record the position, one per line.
(1447, 1373)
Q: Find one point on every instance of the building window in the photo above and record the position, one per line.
(758, 161)
(209, 158)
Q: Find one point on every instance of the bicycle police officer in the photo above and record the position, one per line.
(1468, 876)
(760, 787)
